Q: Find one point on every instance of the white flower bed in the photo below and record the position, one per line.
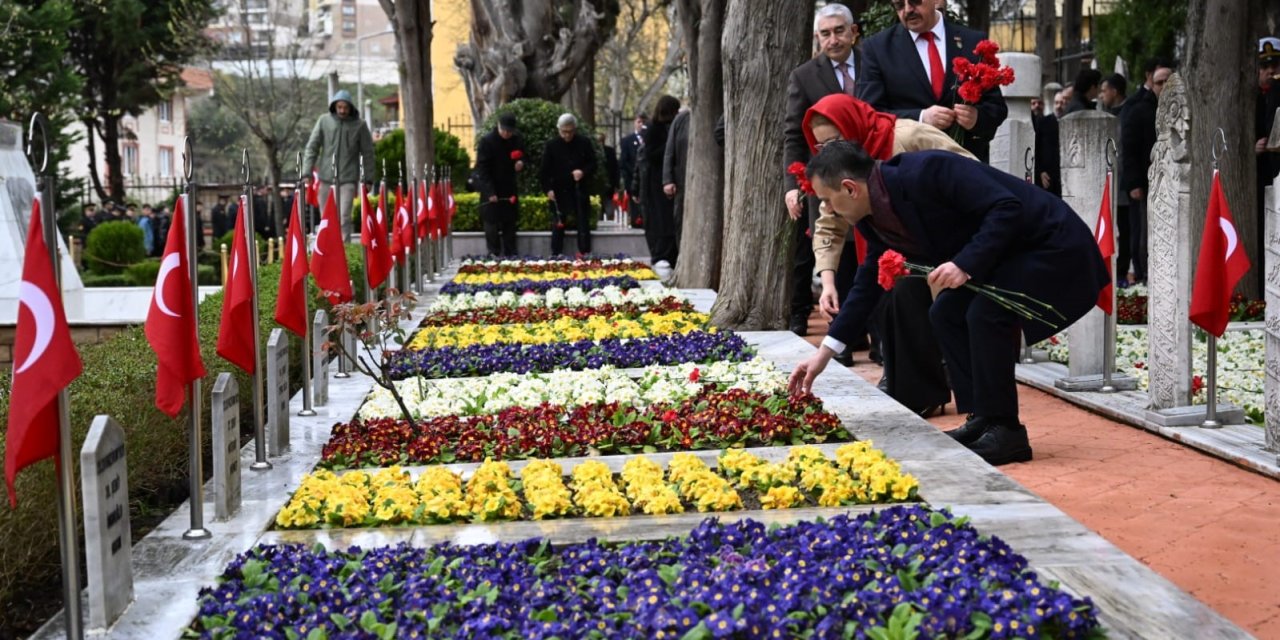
(571, 297)
(488, 262)
(491, 394)
(1241, 372)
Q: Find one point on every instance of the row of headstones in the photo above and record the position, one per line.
(105, 479)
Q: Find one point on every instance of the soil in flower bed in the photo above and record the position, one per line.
(624, 353)
(908, 568)
(858, 475)
(710, 420)
(526, 315)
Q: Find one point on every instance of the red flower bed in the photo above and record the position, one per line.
(523, 315)
(1132, 309)
(709, 420)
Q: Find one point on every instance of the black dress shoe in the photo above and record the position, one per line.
(883, 385)
(1004, 442)
(936, 410)
(845, 358)
(969, 432)
(800, 324)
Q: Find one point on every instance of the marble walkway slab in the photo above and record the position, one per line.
(1134, 602)
(1241, 444)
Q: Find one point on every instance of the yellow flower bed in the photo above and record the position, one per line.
(562, 330)
(859, 474)
(639, 273)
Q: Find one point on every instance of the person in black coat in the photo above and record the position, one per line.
(837, 69)
(659, 208)
(674, 161)
(629, 167)
(977, 225)
(499, 159)
(220, 220)
(611, 174)
(568, 160)
(1137, 137)
(897, 76)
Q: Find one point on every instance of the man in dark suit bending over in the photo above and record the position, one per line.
(977, 225)
(906, 70)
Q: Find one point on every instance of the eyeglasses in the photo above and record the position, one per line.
(899, 5)
(820, 145)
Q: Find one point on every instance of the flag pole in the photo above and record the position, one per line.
(1109, 321)
(68, 543)
(194, 405)
(405, 269)
(300, 192)
(1211, 406)
(260, 462)
(416, 269)
(369, 294)
(342, 360)
(448, 220)
(1028, 354)
(427, 245)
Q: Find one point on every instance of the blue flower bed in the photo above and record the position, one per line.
(541, 286)
(879, 575)
(482, 360)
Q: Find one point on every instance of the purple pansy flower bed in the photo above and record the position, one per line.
(562, 257)
(883, 574)
(541, 286)
(482, 360)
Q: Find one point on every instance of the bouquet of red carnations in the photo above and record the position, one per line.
(976, 78)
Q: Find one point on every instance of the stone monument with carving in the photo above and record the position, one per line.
(1015, 135)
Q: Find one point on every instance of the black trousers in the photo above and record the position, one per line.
(500, 227)
(980, 340)
(1138, 238)
(1124, 241)
(571, 203)
(913, 368)
(802, 265)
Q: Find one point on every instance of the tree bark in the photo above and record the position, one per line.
(582, 95)
(411, 20)
(91, 133)
(111, 147)
(1221, 79)
(1046, 43)
(672, 62)
(703, 227)
(763, 41)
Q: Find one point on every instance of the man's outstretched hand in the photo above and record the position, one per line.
(802, 378)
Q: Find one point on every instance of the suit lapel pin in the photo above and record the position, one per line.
(956, 40)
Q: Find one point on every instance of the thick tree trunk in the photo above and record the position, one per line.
(275, 174)
(703, 230)
(763, 41)
(979, 14)
(1072, 25)
(1221, 79)
(1046, 42)
(91, 134)
(411, 20)
(671, 63)
(111, 147)
(582, 95)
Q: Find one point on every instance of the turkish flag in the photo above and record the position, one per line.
(1221, 265)
(291, 307)
(235, 332)
(329, 257)
(171, 321)
(435, 212)
(373, 235)
(313, 189)
(1104, 233)
(423, 209)
(45, 361)
(451, 207)
(402, 230)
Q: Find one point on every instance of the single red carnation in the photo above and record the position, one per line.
(986, 51)
(517, 154)
(694, 375)
(802, 182)
(892, 266)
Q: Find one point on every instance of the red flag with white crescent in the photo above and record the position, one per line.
(373, 236)
(329, 258)
(1104, 234)
(291, 310)
(45, 360)
(235, 331)
(171, 322)
(313, 189)
(1221, 265)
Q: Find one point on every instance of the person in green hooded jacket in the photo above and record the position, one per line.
(340, 132)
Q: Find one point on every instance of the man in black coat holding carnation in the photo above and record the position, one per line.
(499, 158)
(979, 226)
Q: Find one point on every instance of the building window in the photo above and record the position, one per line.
(165, 110)
(130, 159)
(348, 26)
(166, 162)
(348, 10)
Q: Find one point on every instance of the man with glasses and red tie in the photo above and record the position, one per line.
(834, 70)
(906, 71)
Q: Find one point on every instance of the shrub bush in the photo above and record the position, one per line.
(113, 246)
(536, 120)
(119, 379)
(106, 280)
(143, 274)
(535, 214)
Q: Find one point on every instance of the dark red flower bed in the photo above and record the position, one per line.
(1132, 309)
(523, 315)
(710, 420)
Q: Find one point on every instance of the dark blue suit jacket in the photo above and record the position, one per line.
(997, 228)
(894, 80)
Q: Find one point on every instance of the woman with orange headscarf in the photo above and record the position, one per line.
(914, 374)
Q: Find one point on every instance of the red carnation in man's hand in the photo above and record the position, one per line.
(892, 266)
(517, 154)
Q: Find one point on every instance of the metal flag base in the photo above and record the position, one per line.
(260, 466)
(1194, 416)
(1095, 382)
(307, 413)
(196, 534)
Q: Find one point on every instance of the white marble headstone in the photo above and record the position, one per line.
(320, 356)
(1272, 344)
(277, 393)
(104, 479)
(225, 418)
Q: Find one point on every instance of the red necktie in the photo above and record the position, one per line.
(935, 65)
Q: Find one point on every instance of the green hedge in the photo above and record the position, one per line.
(536, 120)
(535, 213)
(119, 379)
(112, 246)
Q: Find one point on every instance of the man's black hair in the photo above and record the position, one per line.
(840, 160)
(1117, 82)
(1155, 63)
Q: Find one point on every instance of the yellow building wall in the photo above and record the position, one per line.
(452, 28)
